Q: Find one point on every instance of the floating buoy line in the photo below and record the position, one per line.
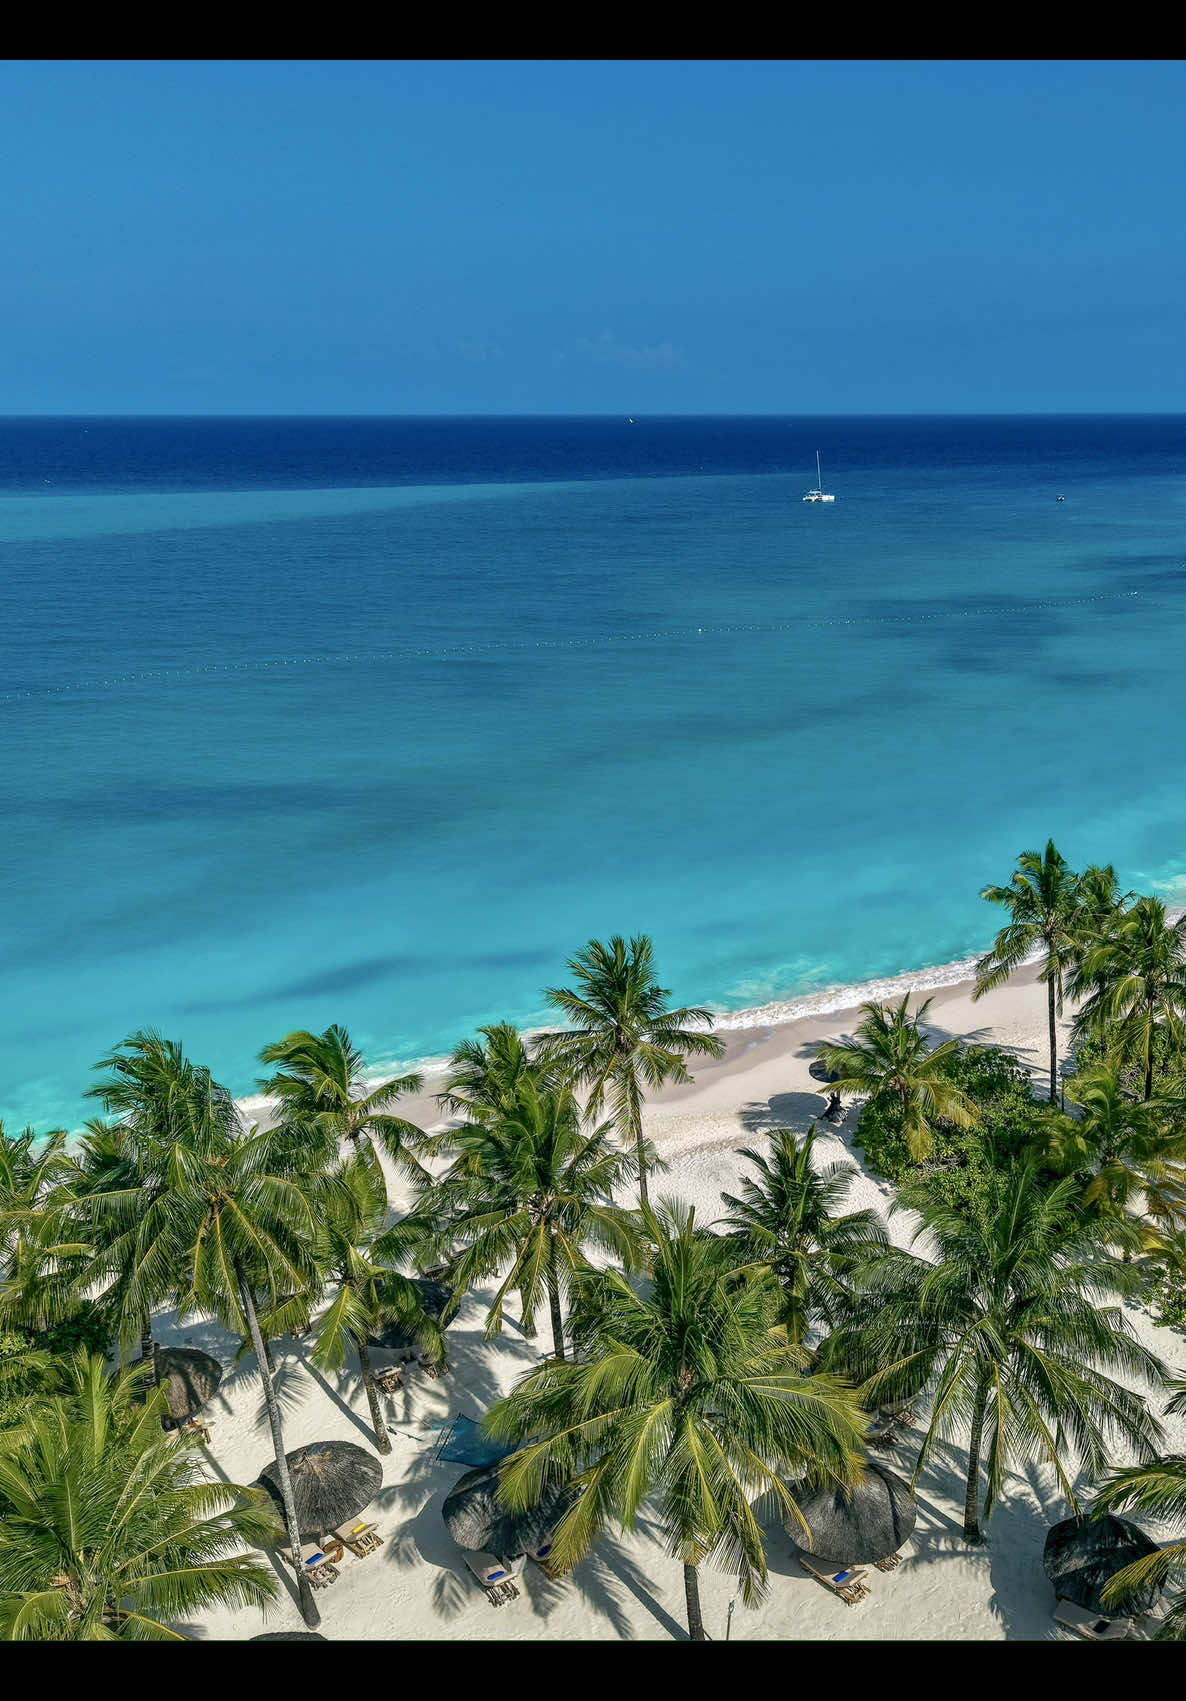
(462, 652)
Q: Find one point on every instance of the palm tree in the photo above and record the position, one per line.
(108, 1534)
(1099, 903)
(40, 1255)
(30, 1377)
(212, 1215)
(1042, 900)
(787, 1217)
(155, 1096)
(485, 1074)
(106, 1162)
(890, 1059)
(1158, 1489)
(686, 1393)
(531, 1192)
(623, 1035)
(1134, 1151)
(1135, 980)
(324, 1096)
(1009, 1326)
(365, 1292)
(249, 1227)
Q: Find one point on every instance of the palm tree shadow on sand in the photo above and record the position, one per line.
(783, 1110)
(599, 1580)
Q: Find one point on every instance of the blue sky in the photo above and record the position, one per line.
(663, 237)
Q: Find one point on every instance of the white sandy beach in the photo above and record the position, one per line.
(416, 1586)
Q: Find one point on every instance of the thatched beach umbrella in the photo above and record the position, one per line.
(819, 1071)
(860, 1526)
(1082, 1555)
(331, 1482)
(397, 1337)
(289, 1636)
(477, 1520)
(189, 1378)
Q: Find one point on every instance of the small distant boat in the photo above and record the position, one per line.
(631, 422)
(819, 494)
(1062, 499)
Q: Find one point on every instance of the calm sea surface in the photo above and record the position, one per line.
(374, 721)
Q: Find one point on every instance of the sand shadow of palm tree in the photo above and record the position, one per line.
(782, 1110)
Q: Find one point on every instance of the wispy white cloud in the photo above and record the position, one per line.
(607, 350)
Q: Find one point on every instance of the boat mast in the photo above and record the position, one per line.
(819, 477)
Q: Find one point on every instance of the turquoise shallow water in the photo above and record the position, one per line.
(303, 726)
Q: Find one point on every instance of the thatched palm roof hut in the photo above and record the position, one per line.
(331, 1482)
(1082, 1555)
(189, 1378)
(396, 1336)
(860, 1526)
(289, 1636)
(477, 1520)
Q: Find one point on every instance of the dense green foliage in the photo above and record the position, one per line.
(686, 1393)
(788, 1217)
(891, 1060)
(107, 1532)
(1009, 1326)
(963, 1161)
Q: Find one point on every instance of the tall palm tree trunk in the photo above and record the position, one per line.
(972, 1497)
(1050, 1007)
(636, 1130)
(148, 1350)
(554, 1299)
(692, 1597)
(1149, 1054)
(382, 1439)
(529, 1329)
(309, 1610)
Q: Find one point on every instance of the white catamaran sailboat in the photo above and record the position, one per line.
(819, 494)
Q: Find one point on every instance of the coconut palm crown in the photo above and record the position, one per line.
(1045, 916)
(789, 1217)
(622, 1037)
(108, 1531)
(1010, 1326)
(322, 1086)
(891, 1057)
(685, 1397)
(1133, 982)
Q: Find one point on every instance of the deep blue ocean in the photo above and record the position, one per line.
(376, 720)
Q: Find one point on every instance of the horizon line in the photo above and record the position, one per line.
(876, 413)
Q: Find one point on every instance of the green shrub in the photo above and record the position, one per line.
(87, 1326)
(964, 1162)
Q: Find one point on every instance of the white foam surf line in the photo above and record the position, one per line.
(933, 978)
(930, 979)
(829, 998)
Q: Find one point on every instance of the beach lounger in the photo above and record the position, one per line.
(891, 1562)
(360, 1537)
(319, 1564)
(843, 1580)
(199, 1427)
(542, 1555)
(388, 1381)
(1091, 1624)
(882, 1433)
(496, 1575)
